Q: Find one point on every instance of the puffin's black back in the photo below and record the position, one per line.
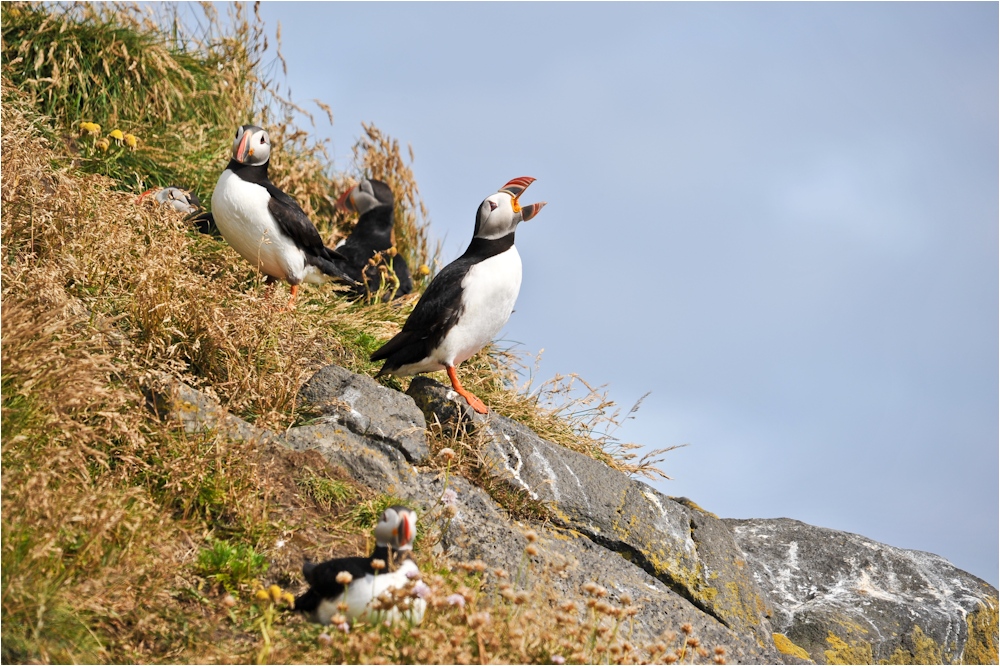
(438, 309)
(322, 578)
(373, 233)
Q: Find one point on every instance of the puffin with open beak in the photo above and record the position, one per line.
(470, 300)
(264, 225)
(374, 202)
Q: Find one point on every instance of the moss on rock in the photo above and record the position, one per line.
(981, 646)
(786, 646)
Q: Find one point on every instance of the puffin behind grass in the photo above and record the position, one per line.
(374, 202)
(266, 226)
(355, 582)
(469, 301)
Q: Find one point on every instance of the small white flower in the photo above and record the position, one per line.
(280, 543)
(558, 659)
(450, 497)
(456, 600)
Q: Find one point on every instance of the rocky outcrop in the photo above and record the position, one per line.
(680, 563)
(846, 599)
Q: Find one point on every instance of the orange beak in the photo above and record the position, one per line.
(345, 202)
(243, 149)
(515, 188)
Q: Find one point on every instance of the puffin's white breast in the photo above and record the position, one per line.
(240, 211)
(489, 291)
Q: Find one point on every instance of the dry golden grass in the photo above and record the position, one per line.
(108, 513)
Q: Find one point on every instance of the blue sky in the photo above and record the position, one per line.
(779, 219)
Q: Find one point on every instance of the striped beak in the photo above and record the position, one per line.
(243, 150)
(515, 188)
(345, 202)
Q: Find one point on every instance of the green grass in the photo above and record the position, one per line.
(231, 565)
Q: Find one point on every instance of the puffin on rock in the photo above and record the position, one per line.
(394, 535)
(373, 200)
(469, 301)
(265, 225)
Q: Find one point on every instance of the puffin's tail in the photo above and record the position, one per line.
(332, 263)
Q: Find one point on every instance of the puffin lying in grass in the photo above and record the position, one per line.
(358, 582)
(373, 200)
(468, 302)
(265, 225)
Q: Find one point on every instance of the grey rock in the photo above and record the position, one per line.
(195, 411)
(369, 461)
(688, 549)
(871, 597)
(368, 409)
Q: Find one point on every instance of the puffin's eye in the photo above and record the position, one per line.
(493, 206)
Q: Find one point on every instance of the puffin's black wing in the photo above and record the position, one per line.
(295, 224)
(436, 312)
(293, 221)
(322, 579)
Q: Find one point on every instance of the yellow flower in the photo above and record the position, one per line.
(262, 595)
(288, 599)
(131, 141)
(103, 144)
(117, 135)
(275, 593)
(424, 270)
(90, 128)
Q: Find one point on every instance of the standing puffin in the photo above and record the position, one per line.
(373, 200)
(468, 302)
(394, 533)
(265, 225)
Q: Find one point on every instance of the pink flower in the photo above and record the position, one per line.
(456, 600)
(450, 497)
(558, 659)
(423, 591)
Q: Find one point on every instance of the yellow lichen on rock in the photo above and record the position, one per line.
(925, 651)
(981, 646)
(841, 652)
(786, 646)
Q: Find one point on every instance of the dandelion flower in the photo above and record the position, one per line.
(275, 593)
(103, 144)
(90, 128)
(117, 135)
(262, 595)
(288, 599)
(424, 270)
(131, 141)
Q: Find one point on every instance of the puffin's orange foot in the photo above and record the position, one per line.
(473, 401)
(291, 301)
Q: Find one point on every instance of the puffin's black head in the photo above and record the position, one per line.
(500, 213)
(366, 195)
(252, 146)
(397, 528)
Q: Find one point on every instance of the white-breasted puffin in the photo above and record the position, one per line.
(374, 202)
(265, 225)
(394, 535)
(469, 301)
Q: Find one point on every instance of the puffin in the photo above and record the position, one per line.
(184, 201)
(374, 202)
(265, 225)
(469, 301)
(394, 535)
